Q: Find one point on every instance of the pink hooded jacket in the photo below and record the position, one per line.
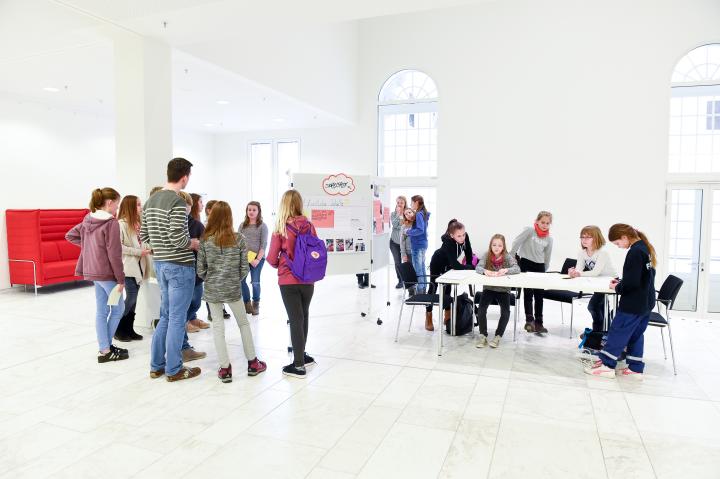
(100, 250)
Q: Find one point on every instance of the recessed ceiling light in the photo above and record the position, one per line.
(279, 120)
(222, 102)
(208, 125)
(52, 89)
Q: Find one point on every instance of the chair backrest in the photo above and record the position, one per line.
(569, 263)
(669, 290)
(407, 274)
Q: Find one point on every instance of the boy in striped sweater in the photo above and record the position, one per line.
(164, 227)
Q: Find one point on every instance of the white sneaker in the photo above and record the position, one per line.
(482, 342)
(495, 341)
(598, 369)
(627, 373)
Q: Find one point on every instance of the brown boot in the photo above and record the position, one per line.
(446, 316)
(428, 321)
(248, 307)
(255, 308)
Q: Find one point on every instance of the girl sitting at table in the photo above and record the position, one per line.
(495, 262)
(455, 253)
(593, 261)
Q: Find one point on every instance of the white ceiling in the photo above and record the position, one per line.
(64, 43)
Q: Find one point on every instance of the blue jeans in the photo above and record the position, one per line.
(194, 307)
(625, 339)
(255, 280)
(176, 289)
(107, 317)
(418, 262)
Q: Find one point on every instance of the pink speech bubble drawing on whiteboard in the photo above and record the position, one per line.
(339, 184)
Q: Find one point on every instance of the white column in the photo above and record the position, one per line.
(143, 112)
(143, 131)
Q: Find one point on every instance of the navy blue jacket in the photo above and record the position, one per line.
(637, 287)
(196, 230)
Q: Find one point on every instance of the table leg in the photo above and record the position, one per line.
(515, 320)
(441, 289)
(453, 310)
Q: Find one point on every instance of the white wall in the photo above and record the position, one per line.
(321, 150)
(314, 63)
(50, 159)
(558, 105)
(53, 158)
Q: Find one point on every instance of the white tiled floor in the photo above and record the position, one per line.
(371, 408)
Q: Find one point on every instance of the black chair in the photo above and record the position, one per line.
(568, 297)
(409, 280)
(666, 296)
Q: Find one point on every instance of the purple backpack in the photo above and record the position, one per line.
(310, 260)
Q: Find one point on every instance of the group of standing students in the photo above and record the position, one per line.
(192, 262)
(530, 252)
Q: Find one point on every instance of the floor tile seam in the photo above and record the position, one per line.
(457, 428)
(357, 419)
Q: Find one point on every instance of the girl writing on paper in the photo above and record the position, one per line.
(625, 336)
(593, 261)
(495, 262)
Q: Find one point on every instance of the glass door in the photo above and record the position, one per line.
(686, 205)
(694, 246)
(272, 164)
(713, 257)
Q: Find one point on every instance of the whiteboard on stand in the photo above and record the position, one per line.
(340, 207)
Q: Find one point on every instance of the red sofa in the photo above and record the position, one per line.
(37, 250)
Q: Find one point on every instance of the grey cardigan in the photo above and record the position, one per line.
(396, 223)
(508, 262)
(223, 270)
(405, 247)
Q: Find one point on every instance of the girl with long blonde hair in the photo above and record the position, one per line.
(296, 295)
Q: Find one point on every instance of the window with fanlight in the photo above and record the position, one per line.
(694, 144)
(407, 126)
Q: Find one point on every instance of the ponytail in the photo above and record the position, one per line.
(99, 196)
(650, 247)
(619, 230)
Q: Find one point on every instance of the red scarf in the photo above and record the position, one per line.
(497, 262)
(541, 233)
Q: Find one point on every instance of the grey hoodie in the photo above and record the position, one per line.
(100, 249)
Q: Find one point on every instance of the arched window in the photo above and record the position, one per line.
(407, 126)
(695, 112)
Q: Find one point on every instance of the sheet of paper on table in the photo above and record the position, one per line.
(458, 274)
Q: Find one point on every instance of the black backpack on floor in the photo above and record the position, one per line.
(463, 316)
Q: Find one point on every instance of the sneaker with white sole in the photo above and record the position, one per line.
(294, 371)
(598, 369)
(627, 373)
(482, 342)
(495, 341)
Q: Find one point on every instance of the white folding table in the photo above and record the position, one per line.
(455, 278)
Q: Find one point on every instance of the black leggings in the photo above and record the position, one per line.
(490, 297)
(530, 266)
(296, 298)
(395, 250)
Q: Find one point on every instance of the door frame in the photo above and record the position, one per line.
(705, 241)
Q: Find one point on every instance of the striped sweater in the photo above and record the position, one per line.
(223, 270)
(165, 228)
